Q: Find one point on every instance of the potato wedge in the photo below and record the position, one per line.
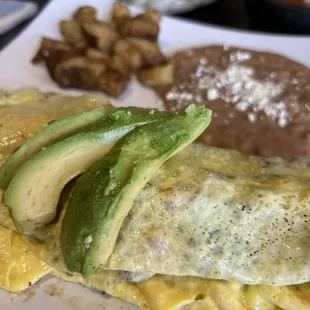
(48, 46)
(151, 54)
(72, 33)
(112, 82)
(95, 54)
(130, 54)
(106, 24)
(100, 36)
(120, 13)
(157, 76)
(150, 15)
(77, 72)
(85, 14)
(57, 57)
(101, 55)
(140, 29)
(120, 65)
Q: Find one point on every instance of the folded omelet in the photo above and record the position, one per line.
(239, 206)
(218, 214)
(20, 265)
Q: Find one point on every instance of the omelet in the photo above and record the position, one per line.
(25, 111)
(22, 261)
(22, 114)
(218, 214)
(163, 292)
(172, 292)
(20, 265)
(134, 276)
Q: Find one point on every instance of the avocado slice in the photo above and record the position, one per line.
(34, 191)
(104, 194)
(53, 132)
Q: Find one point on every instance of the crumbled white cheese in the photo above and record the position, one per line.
(240, 56)
(295, 81)
(203, 61)
(212, 94)
(173, 95)
(252, 117)
(236, 85)
(242, 106)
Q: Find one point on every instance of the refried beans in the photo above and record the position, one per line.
(260, 101)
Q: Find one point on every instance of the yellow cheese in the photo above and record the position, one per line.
(191, 293)
(205, 304)
(289, 297)
(19, 265)
(5, 254)
(255, 301)
(165, 293)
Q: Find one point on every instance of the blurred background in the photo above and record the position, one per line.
(272, 16)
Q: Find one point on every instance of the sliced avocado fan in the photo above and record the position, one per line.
(34, 191)
(104, 194)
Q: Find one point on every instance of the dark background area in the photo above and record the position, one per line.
(227, 13)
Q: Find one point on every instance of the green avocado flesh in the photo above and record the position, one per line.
(51, 133)
(34, 191)
(104, 194)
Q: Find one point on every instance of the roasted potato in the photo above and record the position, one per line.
(57, 57)
(85, 14)
(100, 36)
(151, 54)
(107, 25)
(120, 65)
(95, 54)
(99, 55)
(47, 47)
(120, 14)
(112, 82)
(130, 54)
(150, 15)
(139, 28)
(72, 33)
(157, 76)
(78, 72)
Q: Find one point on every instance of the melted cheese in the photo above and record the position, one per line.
(168, 293)
(19, 264)
(255, 301)
(163, 293)
(191, 293)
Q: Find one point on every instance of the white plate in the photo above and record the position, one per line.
(17, 71)
(170, 6)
